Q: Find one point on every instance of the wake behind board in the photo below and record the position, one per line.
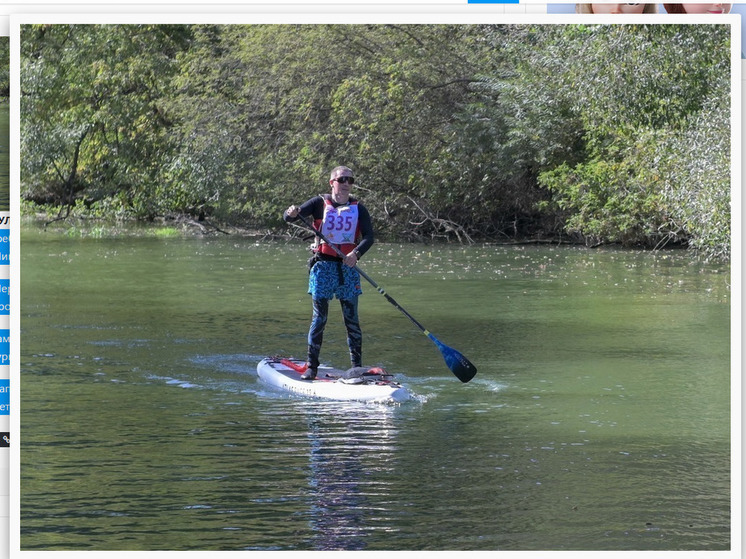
(372, 385)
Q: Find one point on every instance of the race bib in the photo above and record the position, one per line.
(340, 224)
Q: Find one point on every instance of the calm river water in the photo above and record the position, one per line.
(599, 418)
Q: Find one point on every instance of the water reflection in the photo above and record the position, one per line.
(350, 449)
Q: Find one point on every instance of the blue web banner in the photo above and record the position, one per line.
(4, 397)
(4, 296)
(4, 246)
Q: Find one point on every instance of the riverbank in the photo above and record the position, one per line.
(85, 226)
(75, 225)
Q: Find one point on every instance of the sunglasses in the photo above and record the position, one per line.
(348, 180)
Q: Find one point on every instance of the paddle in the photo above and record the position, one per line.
(459, 365)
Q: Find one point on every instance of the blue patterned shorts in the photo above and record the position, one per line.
(324, 281)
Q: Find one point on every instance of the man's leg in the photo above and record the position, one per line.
(316, 336)
(354, 332)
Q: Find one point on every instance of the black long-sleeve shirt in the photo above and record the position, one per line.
(315, 208)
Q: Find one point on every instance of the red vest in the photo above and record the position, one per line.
(341, 226)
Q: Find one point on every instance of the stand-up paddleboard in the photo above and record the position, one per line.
(361, 383)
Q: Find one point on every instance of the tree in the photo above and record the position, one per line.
(591, 109)
(4, 66)
(93, 126)
(458, 132)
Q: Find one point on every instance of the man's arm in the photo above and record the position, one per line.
(366, 230)
(312, 207)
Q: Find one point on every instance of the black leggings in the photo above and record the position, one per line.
(352, 324)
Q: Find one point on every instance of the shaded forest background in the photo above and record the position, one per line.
(470, 133)
(4, 67)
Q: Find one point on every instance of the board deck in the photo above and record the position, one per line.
(330, 383)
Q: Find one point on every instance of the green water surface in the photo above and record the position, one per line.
(599, 418)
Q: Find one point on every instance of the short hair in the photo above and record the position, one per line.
(340, 169)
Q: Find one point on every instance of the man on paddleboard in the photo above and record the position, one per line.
(346, 223)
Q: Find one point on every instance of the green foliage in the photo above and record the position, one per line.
(609, 139)
(4, 66)
(696, 179)
(607, 201)
(614, 133)
(93, 125)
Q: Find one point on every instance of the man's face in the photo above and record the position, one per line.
(342, 183)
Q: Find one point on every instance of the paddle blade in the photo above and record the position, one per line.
(459, 365)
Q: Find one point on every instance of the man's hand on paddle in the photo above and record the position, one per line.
(351, 259)
(293, 211)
